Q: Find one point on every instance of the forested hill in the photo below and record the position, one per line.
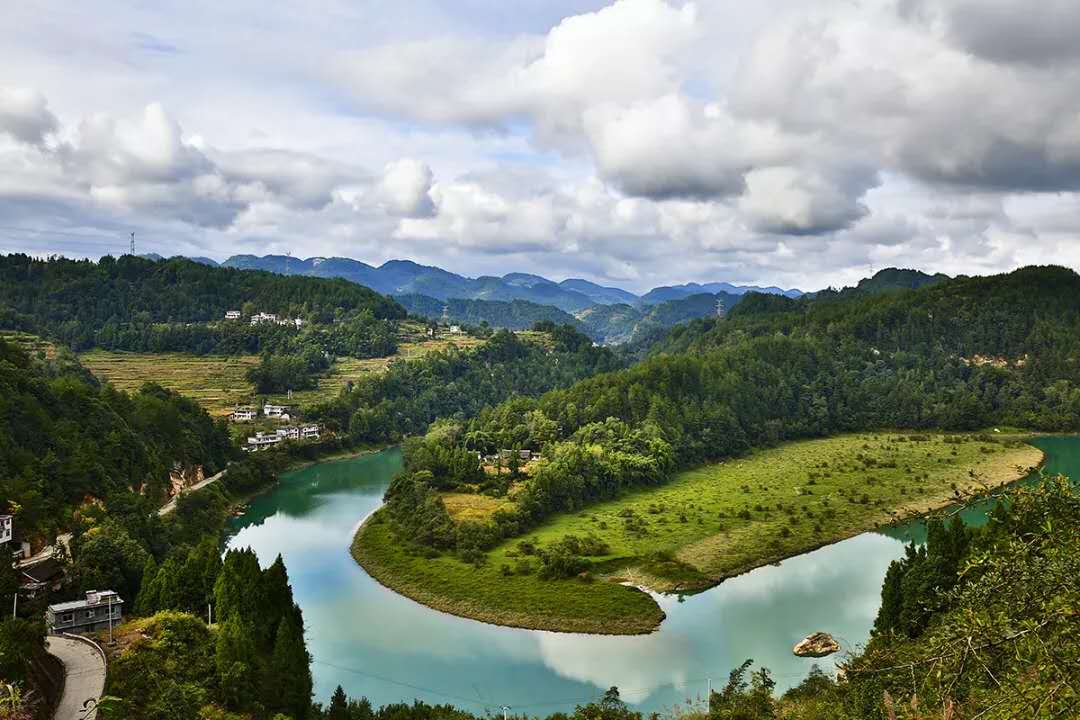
(512, 315)
(963, 355)
(65, 439)
(71, 299)
(1032, 311)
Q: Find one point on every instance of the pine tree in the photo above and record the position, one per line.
(236, 657)
(339, 706)
(277, 594)
(146, 603)
(288, 682)
(238, 589)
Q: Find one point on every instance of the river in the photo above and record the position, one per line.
(376, 643)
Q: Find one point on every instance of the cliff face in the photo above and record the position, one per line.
(181, 477)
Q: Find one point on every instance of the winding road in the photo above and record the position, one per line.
(84, 676)
(171, 505)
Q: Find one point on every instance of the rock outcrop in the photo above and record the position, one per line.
(817, 645)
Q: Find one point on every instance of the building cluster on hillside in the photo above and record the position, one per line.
(262, 440)
(265, 318)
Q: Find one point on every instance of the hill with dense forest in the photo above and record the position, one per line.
(961, 355)
(65, 439)
(131, 303)
(513, 315)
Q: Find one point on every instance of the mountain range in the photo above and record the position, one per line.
(404, 277)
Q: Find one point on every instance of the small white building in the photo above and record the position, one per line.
(455, 329)
(261, 440)
(310, 432)
(262, 317)
(232, 314)
(243, 414)
(276, 411)
(7, 529)
(289, 433)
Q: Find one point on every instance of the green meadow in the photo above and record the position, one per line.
(706, 525)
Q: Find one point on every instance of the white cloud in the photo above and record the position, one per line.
(644, 141)
(25, 115)
(405, 188)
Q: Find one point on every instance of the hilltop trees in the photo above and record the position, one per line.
(130, 303)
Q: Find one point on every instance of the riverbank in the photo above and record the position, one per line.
(707, 525)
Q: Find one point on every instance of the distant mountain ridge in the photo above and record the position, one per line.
(678, 292)
(405, 277)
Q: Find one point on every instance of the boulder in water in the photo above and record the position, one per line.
(817, 645)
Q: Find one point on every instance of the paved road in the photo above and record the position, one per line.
(84, 676)
(171, 505)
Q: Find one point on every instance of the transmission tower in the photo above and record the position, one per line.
(132, 243)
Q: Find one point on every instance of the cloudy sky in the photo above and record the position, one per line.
(634, 142)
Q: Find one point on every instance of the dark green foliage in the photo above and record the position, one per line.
(107, 557)
(457, 383)
(287, 686)
(20, 641)
(65, 439)
(915, 586)
(280, 373)
(513, 315)
(131, 303)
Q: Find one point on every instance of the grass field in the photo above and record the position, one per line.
(707, 524)
(218, 384)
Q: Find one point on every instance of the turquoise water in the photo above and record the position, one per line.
(376, 643)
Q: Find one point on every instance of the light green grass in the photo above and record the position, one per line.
(218, 382)
(688, 535)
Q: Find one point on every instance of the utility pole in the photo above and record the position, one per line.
(209, 615)
(709, 696)
(15, 605)
(110, 619)
(132, 242)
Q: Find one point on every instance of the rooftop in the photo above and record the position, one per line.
(101, 598)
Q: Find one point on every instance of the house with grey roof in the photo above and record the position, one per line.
(96, 612)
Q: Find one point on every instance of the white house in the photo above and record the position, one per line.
(242, 414)
(310, 432)
(275, 411)
(6, 529)
(262, 317)
(455, 329)
(232, 314)
(264, 440)
(289, 433)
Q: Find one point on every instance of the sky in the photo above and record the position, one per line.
(635, 143)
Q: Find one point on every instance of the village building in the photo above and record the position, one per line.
(262, 440)
(98, 611)
(259, 318)
(310, 432)
(280, 412)
(455, 329)
(40, 576)
(243, 414)
(232, 314)
(289, 433)
(7, 529)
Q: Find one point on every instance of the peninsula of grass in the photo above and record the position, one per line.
(706, 525)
